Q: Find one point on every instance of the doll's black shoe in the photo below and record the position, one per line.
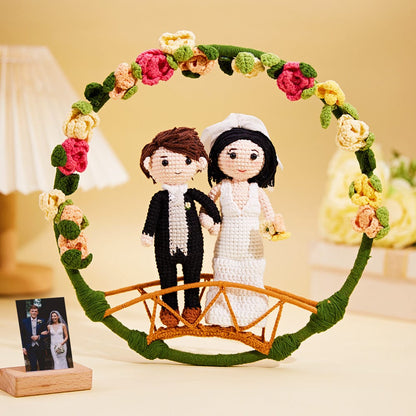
(191, 314)
(168, 318)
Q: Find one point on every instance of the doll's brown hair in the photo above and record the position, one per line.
(182, 140)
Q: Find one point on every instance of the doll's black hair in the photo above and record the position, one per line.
(265, 177)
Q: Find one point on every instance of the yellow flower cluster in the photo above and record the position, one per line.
(257, 68)
(331, 92)
(80, 126)
(170, 42)
(365, 193)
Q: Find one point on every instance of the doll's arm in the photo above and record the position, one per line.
(209, 216)
(151, 220)
(268, 212)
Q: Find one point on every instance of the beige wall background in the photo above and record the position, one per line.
(368, 47)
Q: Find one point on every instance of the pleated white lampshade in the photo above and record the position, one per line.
(35, 100)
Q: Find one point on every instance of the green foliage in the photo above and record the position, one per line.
(383, 216)
(69, 229)
(97, 94)
(67, 184)
(369, 141)
(172, 63)
(276, 70)
(367, 161)
(136, 70)
(183, 53)
(190, 74)
(347, 108)
(83, 107)
(225, 65)
(130, 92)
(210, 52)
(382, 233)
(351, 190)
(307, 70)
(269, 59)
(308, 93)
(326, 115)
(245, 62)
(376, 183)
(58, 156)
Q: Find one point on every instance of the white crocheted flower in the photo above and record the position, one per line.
(170, 42)
(267, 230)
(49, 202)
(351, 134)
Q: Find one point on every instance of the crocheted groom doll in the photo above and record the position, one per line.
(172, 224)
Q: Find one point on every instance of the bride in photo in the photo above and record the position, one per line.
(59, 336)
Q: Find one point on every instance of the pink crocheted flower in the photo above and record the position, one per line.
(76, 156)
(366, 221)
(292, 82)
(80, 243)
(155, 66)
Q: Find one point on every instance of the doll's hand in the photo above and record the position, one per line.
(147, 240)
(279, 224)
(206, 221)
(215, 229)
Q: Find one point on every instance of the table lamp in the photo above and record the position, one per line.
(35, 97)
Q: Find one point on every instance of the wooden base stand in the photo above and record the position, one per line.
(25, 279)
(19, 383)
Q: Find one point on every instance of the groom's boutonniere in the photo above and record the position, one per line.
(40, 321)
(187, 205)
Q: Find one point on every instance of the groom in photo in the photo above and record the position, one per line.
(32, 340)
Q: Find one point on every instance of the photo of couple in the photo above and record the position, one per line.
(44, 334)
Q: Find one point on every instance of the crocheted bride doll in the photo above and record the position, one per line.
(243, 160)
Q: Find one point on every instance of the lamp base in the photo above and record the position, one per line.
(25, 279)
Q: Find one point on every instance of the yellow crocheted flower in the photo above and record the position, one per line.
(258, 67)
(170, 42)
(331, 92)
(351, 134)
(49, 202)
(199, 63)
(365, 193)
(80, 126)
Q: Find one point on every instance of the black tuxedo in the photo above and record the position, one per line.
(35, 353)
(157, 225)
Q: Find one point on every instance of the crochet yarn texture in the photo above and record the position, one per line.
(178, 51)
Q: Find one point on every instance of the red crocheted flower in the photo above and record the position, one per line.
(292, 82)
(155, 66)
(76, 156)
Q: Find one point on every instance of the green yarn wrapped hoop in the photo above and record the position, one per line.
(94, 303)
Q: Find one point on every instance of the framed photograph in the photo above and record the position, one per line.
(44, 333)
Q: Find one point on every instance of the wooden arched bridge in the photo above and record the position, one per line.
(239, 333)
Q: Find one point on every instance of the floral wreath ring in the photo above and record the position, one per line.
(179, 51)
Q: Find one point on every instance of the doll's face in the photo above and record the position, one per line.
(241, 160)
(172, 168)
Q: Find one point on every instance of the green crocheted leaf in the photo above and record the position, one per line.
(67, 184)
(130, 92)
(71, 259)
(269, 59)
(183, 53)
(245, 62)
(97, 95)
(383, 216)
(351, 190)
(172, 63)
(85, 223)
(86, 262)
(276, 70)
(376, 183)
(347, 108)
(69, 229)
(225, 65)
(60, 210)
(308, 93)
(369, 141)
(190, 74)
(58, 156)
(109, 83)
(83, 107)
(367, 161)
(136, 70)
(382, 233)
(326, 115)
(307, 70)
(210, 52)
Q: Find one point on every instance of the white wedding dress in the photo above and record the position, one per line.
(238, 258)
(57, 336)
